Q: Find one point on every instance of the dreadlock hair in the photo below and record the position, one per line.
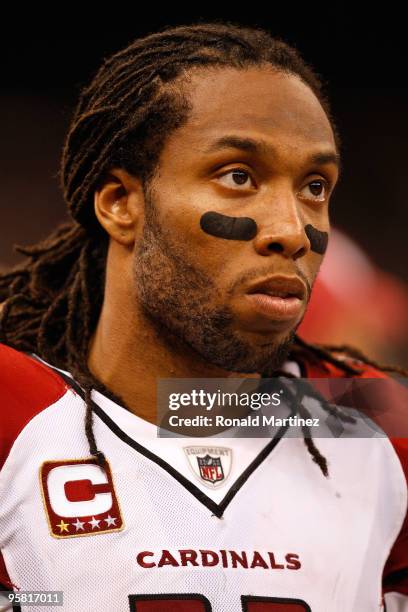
(52, 301)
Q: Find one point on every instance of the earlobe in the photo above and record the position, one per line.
(118, 204)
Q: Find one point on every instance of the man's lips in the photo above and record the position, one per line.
(276, 308)
(279, 298)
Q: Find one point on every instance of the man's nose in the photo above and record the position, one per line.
(283, 232)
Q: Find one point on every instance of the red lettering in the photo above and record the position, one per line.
(206, 561)
(211, 472)
(83, 490)
(206, 472)
(274, 565)
(235, 559)
(188, 556)
(167, 559)
(224, 558)
(293, 561)
(140, 558)
(257, 561)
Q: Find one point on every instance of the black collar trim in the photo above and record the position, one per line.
(216, 509)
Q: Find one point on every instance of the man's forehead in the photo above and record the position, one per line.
(255, 100)
(313, 146)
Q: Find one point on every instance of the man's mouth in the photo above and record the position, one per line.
(279, 298)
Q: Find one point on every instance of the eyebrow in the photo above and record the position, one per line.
(261, 147)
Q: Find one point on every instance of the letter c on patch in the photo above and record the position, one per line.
(63, 479)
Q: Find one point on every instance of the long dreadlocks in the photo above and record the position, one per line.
(52, 301)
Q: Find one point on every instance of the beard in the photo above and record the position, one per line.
(178, 299)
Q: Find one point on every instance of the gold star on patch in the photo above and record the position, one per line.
(63, 526)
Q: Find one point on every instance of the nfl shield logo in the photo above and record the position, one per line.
(210, 468)
(210, 464)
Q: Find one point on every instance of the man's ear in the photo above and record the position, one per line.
(119, 205)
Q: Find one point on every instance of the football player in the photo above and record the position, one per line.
(198, 171)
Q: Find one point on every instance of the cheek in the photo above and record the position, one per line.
(181, 223)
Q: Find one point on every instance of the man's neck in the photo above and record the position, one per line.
(128, 355)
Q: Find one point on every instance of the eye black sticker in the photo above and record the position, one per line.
(245, 228)
(318, 239)
(230, 228)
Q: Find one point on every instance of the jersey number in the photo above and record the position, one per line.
(198, 603)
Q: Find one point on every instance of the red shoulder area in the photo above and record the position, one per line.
(324, 369)
(27, 386)
(372, 392)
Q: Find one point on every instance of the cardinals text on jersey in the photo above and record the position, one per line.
(222, 525)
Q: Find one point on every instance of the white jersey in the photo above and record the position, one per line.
(189, 525)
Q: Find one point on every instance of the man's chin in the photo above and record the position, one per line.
(246, 358)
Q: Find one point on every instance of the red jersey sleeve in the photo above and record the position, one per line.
(26, 388)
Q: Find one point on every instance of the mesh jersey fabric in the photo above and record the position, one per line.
(276, 536)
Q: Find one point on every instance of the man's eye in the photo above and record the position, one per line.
(236, 178)
(318, 190)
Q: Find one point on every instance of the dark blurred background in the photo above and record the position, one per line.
(47, 59)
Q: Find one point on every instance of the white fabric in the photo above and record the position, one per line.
(396, 602)
(341, 529)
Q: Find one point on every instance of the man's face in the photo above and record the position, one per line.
(198, 284)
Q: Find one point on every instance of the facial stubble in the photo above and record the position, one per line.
(182, 303)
